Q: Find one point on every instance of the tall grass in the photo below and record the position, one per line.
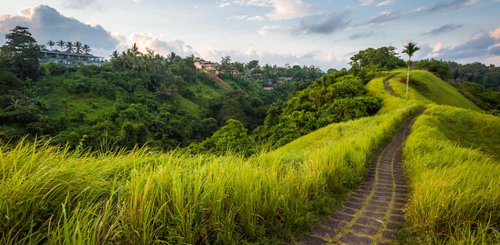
(51, 195)
(452, 159)
(390, 103)
(428, 88)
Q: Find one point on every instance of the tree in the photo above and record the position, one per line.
(86, 48)
(70, 47)
(51, 44)
(225, 63)
(78, 47)
(252, 64)
(61, 44)
(22, 53)
(410, 49)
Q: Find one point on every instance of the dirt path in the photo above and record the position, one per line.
(388, 87)
(373, 213)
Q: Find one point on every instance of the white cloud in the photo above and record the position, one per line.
(496, 33)
(290, 9)
(323, 59)
(177, 46)
(281, 9)
(437, 48)
(270, 30)
(376, 2)
(248, 18)
(46, 23)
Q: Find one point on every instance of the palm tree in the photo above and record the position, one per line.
(51, 44)
(70, 47)
(78, 47)
(410, 49)
(135, 49)
(61, 44)
(86, 48)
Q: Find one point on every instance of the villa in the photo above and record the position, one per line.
(70, 59)
(206, 65)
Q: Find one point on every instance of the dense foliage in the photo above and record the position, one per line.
(134, 99)
(366, 63)
(478, 82)
(336, 97)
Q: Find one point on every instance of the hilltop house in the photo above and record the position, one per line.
(70, 59)
(207, 66)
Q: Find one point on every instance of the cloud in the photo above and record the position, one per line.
(361, 35)
(270, 31)
(496, 33)
(162, 47)
(81, 4)
(482, 46)
(443, 29)
(248, 17)
(377, 3)
(322, 59)
(437, 48)
(381, 18)
(281, 9)
(45, 23)
(452, 5)
(329, 25)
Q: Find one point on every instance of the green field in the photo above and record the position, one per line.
(428, 88)
(51, 195)
(452, 159)
(142, 196)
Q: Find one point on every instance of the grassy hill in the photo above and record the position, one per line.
(52, 194)
(428, 88)
(452, 160)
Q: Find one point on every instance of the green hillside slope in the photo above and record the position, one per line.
(142, 196)
(453, 161)
(427, 87)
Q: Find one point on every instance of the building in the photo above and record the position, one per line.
(206, 65)
(268, 89)
(70, 59)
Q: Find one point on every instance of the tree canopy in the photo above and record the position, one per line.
(22, 53)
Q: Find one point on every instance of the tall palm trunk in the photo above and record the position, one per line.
(408, 77)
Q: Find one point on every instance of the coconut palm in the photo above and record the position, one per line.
(86, 48)
(51, 44)
(70, 47)
(78, 47)
(61, 44)
(410, 49)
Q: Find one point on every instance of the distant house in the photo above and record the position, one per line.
(269, 89)
(204, 65)
(70, 59)
(282, 80)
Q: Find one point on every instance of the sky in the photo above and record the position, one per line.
(323, 33)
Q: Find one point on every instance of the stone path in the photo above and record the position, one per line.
(373, 214)
(388, 87)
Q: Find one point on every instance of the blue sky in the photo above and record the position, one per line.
(305, 32)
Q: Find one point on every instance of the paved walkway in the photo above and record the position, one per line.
(373, 214)
(388, 87)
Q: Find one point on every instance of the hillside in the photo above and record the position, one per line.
(430, 89)
(454, 172)
(135, 99)
(144, 195)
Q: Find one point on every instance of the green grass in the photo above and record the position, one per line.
(452, 159)
(49, 194)
(428, 88)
